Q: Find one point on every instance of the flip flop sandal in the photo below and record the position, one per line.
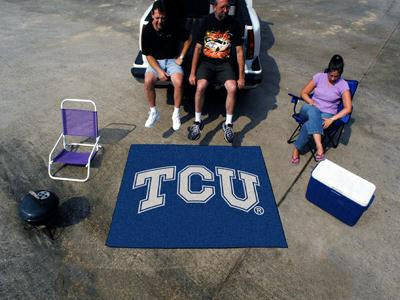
(320, 157)
(295, 161)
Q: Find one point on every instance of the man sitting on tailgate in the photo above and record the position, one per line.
(160, 41)
(218, 34)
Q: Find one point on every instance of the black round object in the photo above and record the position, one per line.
(38, 207)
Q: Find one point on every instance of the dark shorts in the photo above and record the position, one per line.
(218, 73)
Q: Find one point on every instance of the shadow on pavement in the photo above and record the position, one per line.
(255, 104)
(115, 132)
(345, 138)
(72, 211)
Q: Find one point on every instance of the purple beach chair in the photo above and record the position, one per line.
(76, 123)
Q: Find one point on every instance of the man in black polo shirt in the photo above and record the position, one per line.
(218, 35)
(160, 42)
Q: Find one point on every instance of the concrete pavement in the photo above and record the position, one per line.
(51, 50)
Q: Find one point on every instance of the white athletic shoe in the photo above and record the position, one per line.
(152, 119)
(176, 122)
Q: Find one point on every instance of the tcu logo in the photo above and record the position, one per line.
(153, 179)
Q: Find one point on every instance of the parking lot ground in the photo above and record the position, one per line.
(50, 50)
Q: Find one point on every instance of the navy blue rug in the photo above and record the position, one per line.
(179, 196)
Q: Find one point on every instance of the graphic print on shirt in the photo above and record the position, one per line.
(217, 44)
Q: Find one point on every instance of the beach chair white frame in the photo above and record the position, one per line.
(95, 147)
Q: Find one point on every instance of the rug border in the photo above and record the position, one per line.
(198, 248)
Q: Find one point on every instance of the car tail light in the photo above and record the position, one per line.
(250, 44)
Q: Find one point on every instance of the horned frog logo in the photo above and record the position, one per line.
(217, 44)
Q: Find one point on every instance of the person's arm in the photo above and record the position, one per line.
(195, 62)
(199, 39)
(306, 91)
(185, 49)
(154, 64)
(240, 61)
(345, 111)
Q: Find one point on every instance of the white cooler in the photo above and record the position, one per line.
(339, 192)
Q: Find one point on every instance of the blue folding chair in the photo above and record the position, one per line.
(333, 133)
(76, 123)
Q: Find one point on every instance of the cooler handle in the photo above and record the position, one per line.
(336, 193)
(340, 199)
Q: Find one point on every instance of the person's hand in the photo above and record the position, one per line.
(327, 122)
(163, 75)
(240, 83)
(192, 79)
(179, 61)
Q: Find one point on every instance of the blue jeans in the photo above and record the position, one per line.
(313, 118)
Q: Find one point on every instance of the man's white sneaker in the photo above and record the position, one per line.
(176, 122)
(154, 116)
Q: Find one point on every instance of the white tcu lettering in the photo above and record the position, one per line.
(184, 190)
(152, 178)
(249, 181)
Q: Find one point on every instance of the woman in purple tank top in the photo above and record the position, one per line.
(321, 110)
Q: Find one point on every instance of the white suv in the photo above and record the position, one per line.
(190, 13)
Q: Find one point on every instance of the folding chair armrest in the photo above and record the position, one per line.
(95, 147)
(295, 99)
(52, 150)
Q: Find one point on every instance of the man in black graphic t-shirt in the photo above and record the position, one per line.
(160, 45)
(218, 35)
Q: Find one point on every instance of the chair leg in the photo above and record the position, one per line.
(87, 167)
(332, 139)
(294, 134)
(313, 149)
(336, 143)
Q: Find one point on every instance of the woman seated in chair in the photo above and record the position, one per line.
(321, 110)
